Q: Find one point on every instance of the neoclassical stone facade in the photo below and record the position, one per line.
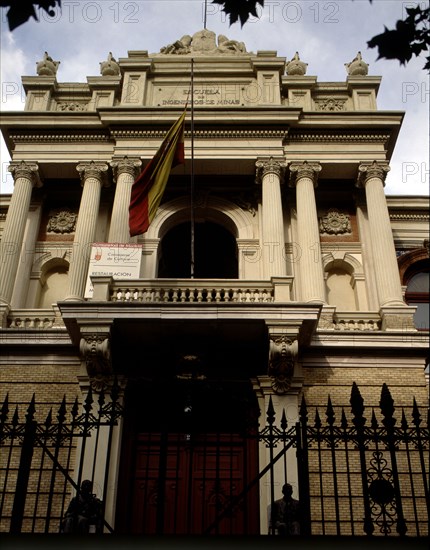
(298, 290)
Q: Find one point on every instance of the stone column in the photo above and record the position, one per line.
(304, 177)
(371, 176)
(26, 177)
(22, 285)
(125, 172)
(93, 176)
(269, 173)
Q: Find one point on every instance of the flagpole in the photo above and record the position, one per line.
(192, 170)
(206, 9)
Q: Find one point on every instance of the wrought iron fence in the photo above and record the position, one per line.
(359, 472)
(42, 461)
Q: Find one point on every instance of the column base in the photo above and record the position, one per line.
(398, 318)
(74, 299)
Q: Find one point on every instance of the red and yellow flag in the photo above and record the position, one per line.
(149, 186)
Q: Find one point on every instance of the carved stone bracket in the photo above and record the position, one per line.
(270, 165)
(283, 355)
(95, 350)
(299, 170)
(369, 170)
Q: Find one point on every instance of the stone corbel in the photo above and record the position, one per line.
(95, 349)
(283, 361)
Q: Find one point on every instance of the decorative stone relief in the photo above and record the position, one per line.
(71, 106)
(357, 67)
(247, 202)
(95, 349)
(204, 42)
(295, 67)
(109, 67)
(283, 354)
(63, 221)
(335, 223)
(330, 104)
(47, 66)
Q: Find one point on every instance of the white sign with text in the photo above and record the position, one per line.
(120, 261)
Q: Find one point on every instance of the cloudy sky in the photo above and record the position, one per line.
(326, 34)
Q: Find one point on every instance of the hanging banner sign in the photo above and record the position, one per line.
(120, 261)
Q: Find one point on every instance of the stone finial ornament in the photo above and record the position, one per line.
(109, 67)
(295, 67)
(47, 66)
(357, 67)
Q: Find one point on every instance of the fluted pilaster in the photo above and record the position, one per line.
(26, 177)
(125, 172)
(372, 176)
(93, 176)
(304, 177)
(270, 173)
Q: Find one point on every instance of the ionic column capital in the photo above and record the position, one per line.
(97, 170)
(270, 165)
(27, 170)
(299, 170)
(125, 165)
(369, 170)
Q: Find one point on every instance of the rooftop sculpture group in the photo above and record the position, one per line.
(204, 42)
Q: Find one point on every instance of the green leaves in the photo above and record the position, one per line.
(241, 9)
(410, 37)
(21, 11)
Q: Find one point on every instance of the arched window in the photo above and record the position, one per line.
(417, 279)
(215, 252)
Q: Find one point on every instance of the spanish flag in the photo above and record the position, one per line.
(149, 186)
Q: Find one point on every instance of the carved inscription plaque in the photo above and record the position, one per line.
(206, 94)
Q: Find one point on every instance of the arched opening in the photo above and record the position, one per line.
(54, 285)
(339, 290)
(417, 278)
(215, 252)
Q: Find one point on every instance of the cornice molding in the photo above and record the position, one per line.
(134, 133)
(352, 136)
(54, 137)
(409, 217)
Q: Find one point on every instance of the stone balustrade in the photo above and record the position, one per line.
(41, 319)
(351, 321)
(108, 289)
(198, 291)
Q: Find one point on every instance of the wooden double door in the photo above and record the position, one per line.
(193, 472)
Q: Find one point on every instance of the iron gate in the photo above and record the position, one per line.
(359, 473)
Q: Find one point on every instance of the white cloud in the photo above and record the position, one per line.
(326, 34)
